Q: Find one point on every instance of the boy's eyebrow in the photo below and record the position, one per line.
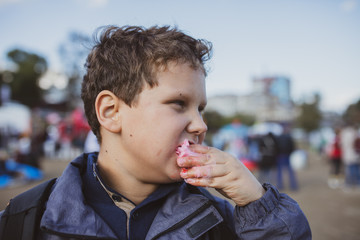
(186, 96)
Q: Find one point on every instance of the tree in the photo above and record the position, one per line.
(310, 115)
(214, 120)
(24, 86)
(74, 52)
(245, 119)
(352, 114)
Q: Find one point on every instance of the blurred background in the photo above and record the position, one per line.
(282, 71)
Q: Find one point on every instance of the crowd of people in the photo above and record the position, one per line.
(51, 135)
(267, 153)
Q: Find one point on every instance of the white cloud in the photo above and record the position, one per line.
(349, 5)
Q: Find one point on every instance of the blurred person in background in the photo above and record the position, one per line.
(80, 129)
(286, 146)
(357, 144)
(335, 160)
(65, 139)
(38, 135)
(350, 157)
(52, 142)
(268, 149)
(23, 150)
(4, 156)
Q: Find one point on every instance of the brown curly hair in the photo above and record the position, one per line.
(123, 59)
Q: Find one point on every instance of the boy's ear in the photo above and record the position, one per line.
(107, 107)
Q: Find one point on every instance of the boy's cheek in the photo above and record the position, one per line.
(202, 138)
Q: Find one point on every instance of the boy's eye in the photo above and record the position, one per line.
(201, 109)
(179, 103)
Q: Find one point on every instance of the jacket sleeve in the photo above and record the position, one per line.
(274, 216)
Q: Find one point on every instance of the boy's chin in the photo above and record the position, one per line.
(175, 178)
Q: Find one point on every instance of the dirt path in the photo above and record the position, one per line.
(333, 213)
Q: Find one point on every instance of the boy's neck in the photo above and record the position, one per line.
(116, 177)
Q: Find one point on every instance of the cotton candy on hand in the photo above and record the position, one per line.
(184, 151)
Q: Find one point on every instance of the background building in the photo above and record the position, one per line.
(269, 100)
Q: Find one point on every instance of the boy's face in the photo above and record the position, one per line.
(159, 121)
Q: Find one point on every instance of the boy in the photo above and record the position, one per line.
(143, 93)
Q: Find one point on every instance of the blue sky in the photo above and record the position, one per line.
(314, 42)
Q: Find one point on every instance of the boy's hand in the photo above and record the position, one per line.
(210, 167)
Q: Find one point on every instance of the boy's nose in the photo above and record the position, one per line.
(197, 126)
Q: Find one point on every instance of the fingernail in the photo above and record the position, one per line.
(183, 172)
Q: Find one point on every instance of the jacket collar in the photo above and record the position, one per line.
(67, 202)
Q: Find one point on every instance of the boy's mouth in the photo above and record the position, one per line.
(186, 142)
(183, 149)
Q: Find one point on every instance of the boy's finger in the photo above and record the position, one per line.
(191, 161)
(200, 182)
(203, 182)
(199, 148)
(199, 160)
(210, 152)
(208, 171)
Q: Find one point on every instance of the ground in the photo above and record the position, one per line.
(332, 213)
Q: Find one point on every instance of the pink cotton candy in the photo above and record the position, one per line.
(184, 151)
(199, 172)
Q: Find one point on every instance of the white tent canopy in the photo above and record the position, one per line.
(266, 127)
(15, 117)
